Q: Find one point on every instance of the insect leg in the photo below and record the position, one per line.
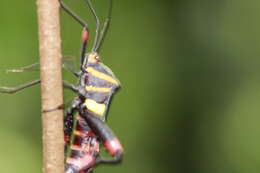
(10, 90)
(72, 14)
(84, 32)
(83, 57)
(31, 67)
(66, 64)
(70, 86)
(68, 120)
(73, 71)
(110, 141)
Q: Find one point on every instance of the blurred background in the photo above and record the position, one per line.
(190, 75)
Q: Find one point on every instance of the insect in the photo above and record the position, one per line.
(85, 128)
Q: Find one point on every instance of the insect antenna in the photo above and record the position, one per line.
(93, 11)
(100, 35)
(105, 27)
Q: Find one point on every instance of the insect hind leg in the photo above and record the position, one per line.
(117, 158)
(110, 141)
(69, 169)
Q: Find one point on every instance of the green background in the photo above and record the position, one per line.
(190, 75)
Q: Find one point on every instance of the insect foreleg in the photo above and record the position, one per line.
(11, 90)
(73, 71)
(72, 14)
(70, 86)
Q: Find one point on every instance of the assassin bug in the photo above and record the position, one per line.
(97, 85)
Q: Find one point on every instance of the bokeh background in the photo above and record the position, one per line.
(190, 75)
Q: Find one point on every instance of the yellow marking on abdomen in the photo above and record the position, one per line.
(79, 118)
(76, 147)
(95, 107)
(96, 89)
(102, 75)
(79, 133)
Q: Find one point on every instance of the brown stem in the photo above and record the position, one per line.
(51, 86)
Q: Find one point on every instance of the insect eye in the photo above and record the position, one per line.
(98, 58)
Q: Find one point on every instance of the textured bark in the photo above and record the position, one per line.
(51, 85)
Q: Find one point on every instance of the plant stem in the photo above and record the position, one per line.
(51, 85)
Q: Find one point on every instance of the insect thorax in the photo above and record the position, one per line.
(100, 84)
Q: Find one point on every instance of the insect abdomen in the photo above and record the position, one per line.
(84, 148)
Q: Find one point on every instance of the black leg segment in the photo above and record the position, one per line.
(110, 141)
(72, 14)
(10, 90)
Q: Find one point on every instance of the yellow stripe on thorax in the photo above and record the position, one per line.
(102, 75)
(95, 107)
(96, 89)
